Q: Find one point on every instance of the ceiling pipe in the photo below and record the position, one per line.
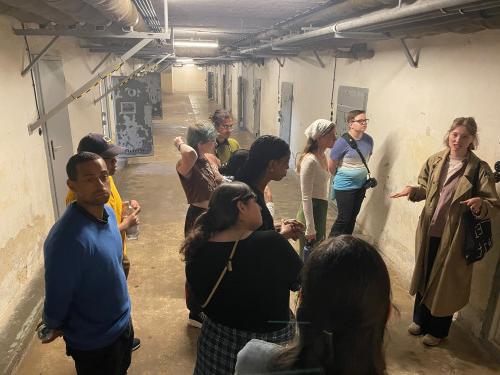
(371, 19)
(121, 12)
(41, 9)
(79, 10)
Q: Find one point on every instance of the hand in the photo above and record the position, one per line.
(130, 220)
(403, 193)
(55, 334)
(291, 228)
(474, 204)
(178, 141)
(135, 205)
(310, 237)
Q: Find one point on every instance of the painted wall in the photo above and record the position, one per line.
(410, 111)
(166, 82)
(188, 78)
(25, 195)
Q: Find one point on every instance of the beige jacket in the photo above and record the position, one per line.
(449, 283)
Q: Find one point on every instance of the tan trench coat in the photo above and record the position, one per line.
(449, 283)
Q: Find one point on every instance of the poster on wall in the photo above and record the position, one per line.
(153, 82)
(133, 113)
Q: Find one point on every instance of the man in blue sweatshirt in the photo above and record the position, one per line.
(86, 296)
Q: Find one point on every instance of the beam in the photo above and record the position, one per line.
(87, 86)
(101, 62)
(91, 34)
(411, 60)
(321, 63)
(126, 79)
(39, 56)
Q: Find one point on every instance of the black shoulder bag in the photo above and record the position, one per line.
(370, 182)
(478, 238)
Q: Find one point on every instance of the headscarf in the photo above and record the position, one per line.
(318, 128)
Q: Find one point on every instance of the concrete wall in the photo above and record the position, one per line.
(25, 194)
(166, 82)
(410, 111)
(188, 78)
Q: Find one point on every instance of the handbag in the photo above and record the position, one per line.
(370, 182)
(478, 237)
(227, 268)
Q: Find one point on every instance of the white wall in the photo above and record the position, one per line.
(188, 78)
(410, 111)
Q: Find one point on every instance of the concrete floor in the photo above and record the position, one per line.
(156, 280)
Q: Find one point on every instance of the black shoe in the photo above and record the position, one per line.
(195, 320)
(136, 344)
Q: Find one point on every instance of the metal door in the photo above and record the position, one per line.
(51, 88)
(349, 98)
(286, 111)
(241, 102)
(210, 85)
(256, 107)
(224, 89)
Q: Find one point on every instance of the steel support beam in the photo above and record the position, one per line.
(39, 56)
(101, 62)
(413, 61)
(321, 63)
(87, 86)
(91, 34)
(126, 79)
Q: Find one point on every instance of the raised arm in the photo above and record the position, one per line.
(188, 156)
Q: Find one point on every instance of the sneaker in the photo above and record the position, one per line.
(430, 340)
(414, 329)
(195, 320)
(136, 344)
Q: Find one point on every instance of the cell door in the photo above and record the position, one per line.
(256, 107)
(210, 85)
(286, 111)
(349, 99)
(224, 90)
(241, 102)
(51, 87)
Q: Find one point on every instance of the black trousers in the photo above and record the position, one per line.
(434, 325)
(348, 205)
(191, 301)
(112, 360)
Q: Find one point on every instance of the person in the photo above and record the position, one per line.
(312, 168)
(86, 296)
(441, 279)
(343, 310)
(250, 298)
(105, 148)
(268, 161)
(199, 176)
(350, 172)
(225, 146)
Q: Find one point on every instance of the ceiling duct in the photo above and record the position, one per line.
(22, 15)
(121, 12)
(43, 10)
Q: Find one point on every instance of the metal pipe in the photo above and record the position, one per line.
(371, 19)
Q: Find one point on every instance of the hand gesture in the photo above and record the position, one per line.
(178, 141)
(474, 204)
(403, 193)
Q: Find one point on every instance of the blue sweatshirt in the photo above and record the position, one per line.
(86, 292)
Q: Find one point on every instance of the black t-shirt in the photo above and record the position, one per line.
(257, 291)
(267, 218)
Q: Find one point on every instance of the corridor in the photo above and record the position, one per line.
(156, 280)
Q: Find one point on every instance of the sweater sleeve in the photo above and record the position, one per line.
(307, 174)
(63, 269)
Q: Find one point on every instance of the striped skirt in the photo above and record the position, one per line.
(218, 346)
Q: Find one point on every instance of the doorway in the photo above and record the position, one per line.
(286, 111)
(51, 89)
(256, 107)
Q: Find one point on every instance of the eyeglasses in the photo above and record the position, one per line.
(362, 122)
(227, 127)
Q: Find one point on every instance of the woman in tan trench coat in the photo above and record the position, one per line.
(442, 279)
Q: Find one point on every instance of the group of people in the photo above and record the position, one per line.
(240, 266)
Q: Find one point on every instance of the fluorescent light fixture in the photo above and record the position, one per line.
(188, 65)
(196, 43)
(184, 60)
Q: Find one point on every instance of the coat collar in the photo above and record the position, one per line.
(467, 180)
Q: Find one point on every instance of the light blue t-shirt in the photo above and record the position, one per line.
(351, 172)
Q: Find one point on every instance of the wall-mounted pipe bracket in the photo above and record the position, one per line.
(282, 63)
(39, 56)
(321, 63)
(413, 61)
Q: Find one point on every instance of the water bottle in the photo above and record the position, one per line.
(44, 333)
(132, 233)
(306, 250)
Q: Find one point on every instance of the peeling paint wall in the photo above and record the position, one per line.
(410, 111)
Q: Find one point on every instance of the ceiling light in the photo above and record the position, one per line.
(196, 43)
(184, 60)
(188, 65)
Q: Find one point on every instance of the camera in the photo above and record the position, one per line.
(370, 183)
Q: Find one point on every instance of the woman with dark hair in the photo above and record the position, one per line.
(343, 310)
(225, 145)
(350, 172)
(199, 176)
(268, 161)
(312, 168)
(242, 277)
(235, 163)
(451, 182)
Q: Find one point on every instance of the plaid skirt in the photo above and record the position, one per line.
(218, 346)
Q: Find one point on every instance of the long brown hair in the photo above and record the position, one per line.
(310, 147)
(343, 311)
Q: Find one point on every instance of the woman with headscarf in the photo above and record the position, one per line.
(312, 167)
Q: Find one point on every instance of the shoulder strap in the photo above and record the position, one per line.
(228, 267)
(352, 142)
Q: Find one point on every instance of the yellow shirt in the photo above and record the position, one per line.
(115, 202)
